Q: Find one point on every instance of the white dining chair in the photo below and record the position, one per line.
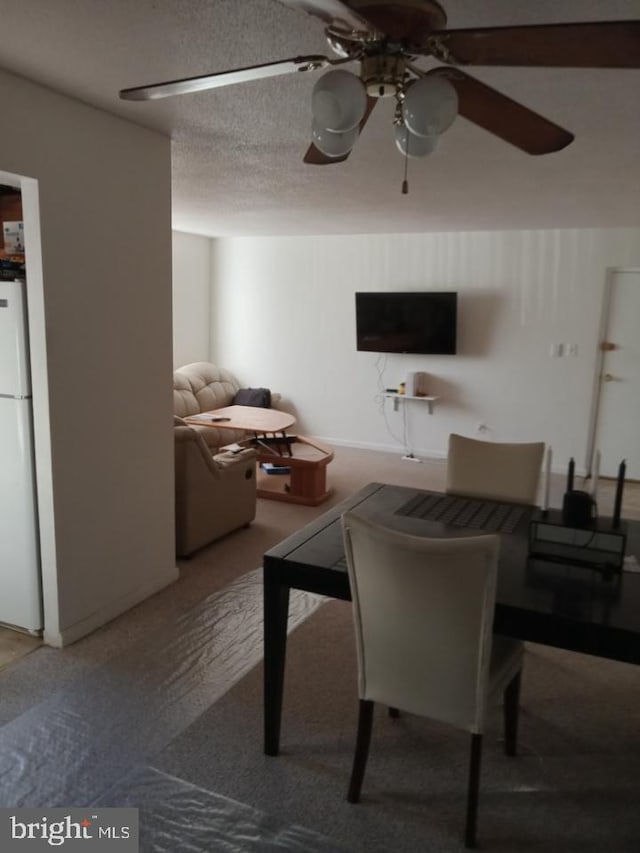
(506, 471)
(423, 613)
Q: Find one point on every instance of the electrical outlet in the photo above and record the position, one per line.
(572, 349)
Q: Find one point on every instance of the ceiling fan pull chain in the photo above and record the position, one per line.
(405, 183)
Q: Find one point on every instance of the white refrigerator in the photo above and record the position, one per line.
(20, 578)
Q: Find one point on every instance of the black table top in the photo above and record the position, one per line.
(564, 605)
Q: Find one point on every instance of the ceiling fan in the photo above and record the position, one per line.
(387, 38)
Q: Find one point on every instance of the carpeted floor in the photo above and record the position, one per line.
(15, 645)
(574, 786)
(146, 703)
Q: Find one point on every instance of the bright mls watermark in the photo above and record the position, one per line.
(27, 830)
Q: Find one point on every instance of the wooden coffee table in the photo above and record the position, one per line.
(306, 481)
(249, 418)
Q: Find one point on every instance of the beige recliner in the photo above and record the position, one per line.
(200, 387)
(214, 494)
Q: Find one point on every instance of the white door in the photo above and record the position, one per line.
(617, 433)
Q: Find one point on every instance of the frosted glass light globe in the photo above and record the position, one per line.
(339, 101)
(430, 106)
(413, 145)
(333, 144)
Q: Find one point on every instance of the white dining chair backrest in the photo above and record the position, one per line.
(423, 612)
(506, 471)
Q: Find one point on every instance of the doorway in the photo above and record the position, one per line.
(36, 477)
(617, 384)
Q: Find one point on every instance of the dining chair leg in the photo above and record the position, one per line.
(365, 724)
(511, 710)
(472, 794)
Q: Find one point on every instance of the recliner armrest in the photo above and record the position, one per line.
(214, 495)
(230, 458)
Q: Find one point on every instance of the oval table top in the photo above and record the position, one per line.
(250, 418)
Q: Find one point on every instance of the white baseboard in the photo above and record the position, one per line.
(422, 453)
(85, 626)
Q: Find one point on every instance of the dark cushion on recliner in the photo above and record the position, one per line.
(260, 397)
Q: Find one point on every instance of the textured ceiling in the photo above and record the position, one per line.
(237, 151)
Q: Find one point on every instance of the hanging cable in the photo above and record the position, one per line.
(381, 398)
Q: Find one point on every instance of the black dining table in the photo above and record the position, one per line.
(560, 602)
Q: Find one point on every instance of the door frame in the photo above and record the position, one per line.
(605, 313)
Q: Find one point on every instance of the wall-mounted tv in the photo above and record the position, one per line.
(419, 322)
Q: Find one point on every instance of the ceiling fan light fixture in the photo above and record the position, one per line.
(339, 101)
(411, 145)
(430, 106)
(383, 75)
(333, 144)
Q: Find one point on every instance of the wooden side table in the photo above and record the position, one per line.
(250, 418)
(306, 482)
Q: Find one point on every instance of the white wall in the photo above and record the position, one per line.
(191, 298)
(100, 314)
(284, 317)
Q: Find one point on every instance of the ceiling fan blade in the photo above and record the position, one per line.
(315, 157)
(408, 22)
(504, 117)
(332, 12)
(227, 78)
(603, 44)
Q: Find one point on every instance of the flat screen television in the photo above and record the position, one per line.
(419, 322)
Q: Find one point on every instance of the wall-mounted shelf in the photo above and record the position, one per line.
(401, 397)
